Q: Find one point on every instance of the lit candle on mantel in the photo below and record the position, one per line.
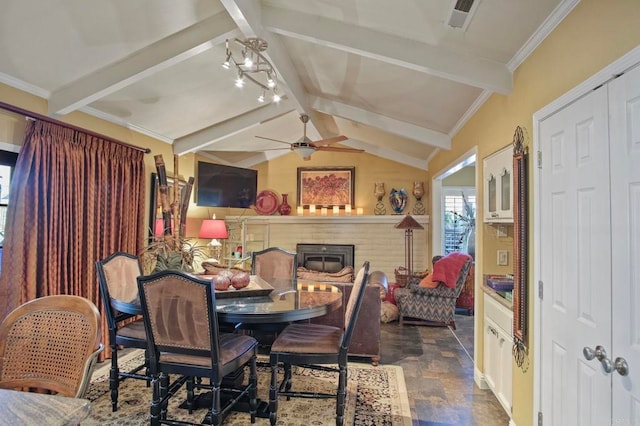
(359, 211)
(323, 211)
(312, 209)
(336, 210)
(300, 210)
(347, 209)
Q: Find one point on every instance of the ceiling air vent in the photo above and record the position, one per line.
(460, 13)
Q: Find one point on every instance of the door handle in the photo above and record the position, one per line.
(601, 355)
(621, 366)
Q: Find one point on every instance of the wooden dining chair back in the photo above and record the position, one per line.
(184, 339)
(117, 278)
(276, 266)
(50, 344)
(315, 346)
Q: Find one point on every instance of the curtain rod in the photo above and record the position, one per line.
(33, 115)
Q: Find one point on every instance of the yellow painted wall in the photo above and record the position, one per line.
(463, 177)
(281, 176)
(594, 34)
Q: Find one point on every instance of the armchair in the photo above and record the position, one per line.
(434, 306)
(50, 344)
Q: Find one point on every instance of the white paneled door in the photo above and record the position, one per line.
(625, 237)
(590, 240)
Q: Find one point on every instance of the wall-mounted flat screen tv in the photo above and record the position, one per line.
(225, 186)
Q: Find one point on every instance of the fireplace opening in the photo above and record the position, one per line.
(325, 257)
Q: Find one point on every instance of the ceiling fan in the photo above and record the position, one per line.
(304, 147)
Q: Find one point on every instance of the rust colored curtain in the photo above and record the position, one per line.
(75, 199)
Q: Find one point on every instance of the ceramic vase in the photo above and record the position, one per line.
(284, 209)
(398, 200)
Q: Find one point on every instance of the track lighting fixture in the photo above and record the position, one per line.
(252, 65)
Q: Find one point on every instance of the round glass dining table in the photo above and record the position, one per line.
(265, 305)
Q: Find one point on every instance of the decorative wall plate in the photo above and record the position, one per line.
(267, 202)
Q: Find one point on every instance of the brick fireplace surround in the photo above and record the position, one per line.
(375, 237)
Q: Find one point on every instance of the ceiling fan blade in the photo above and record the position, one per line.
(274, 140)
(329, 141)
(337, 149)
(270, 149)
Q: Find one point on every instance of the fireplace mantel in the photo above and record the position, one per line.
(329, 219)
(374, 236)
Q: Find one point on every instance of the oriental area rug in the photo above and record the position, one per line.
(375, 396)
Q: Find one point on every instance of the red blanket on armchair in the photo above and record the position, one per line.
(448, 268)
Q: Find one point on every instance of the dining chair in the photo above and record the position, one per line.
(51, 344)
(276, 266)
(184, 339)
(316, 346)
(117, 276)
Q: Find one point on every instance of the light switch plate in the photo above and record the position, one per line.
(503, 257)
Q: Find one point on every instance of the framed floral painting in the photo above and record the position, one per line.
(326, 186)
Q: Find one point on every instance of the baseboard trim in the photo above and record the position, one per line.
(478, 378)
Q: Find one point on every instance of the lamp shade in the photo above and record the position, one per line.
(304, 151)
(408, 223)
(213, 228)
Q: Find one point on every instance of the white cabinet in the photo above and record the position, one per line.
(498, 186)
(245, 237)
(498, 340)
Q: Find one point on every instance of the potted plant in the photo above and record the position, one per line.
(169, 250)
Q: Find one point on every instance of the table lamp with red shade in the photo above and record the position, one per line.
(214, 229)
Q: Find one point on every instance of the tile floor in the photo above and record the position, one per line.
(438, 371)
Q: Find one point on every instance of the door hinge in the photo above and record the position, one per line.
(540, 289)
(539, 159)
(539, 418)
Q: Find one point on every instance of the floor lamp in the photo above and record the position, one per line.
(408, 224)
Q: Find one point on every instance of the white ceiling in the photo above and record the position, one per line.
(392, 76)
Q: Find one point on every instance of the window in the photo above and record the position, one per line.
(7, 163)
(459, 214)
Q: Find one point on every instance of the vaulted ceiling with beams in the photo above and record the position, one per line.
(397, 78)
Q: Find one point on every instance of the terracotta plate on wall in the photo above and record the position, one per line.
(267, 202)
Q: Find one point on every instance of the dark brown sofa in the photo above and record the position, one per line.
(365, 341)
